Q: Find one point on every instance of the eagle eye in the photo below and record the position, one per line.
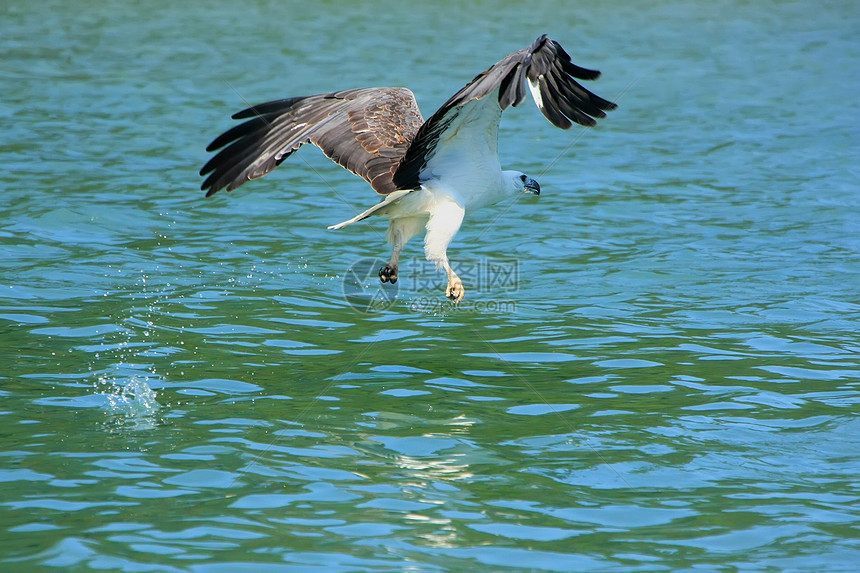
(523, 178)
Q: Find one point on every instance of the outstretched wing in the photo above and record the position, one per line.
(544, 68)
(364, 130)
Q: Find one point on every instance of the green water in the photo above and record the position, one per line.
(655, 368)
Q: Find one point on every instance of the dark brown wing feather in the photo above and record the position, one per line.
(546, 63)
(364, 130)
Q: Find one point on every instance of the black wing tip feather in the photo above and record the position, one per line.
(220, 167)
(564, 99)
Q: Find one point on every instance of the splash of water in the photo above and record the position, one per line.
(132, 404)
(134, 399)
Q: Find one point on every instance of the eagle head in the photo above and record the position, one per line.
(522, 183)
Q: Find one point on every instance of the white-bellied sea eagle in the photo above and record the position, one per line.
(430, 172)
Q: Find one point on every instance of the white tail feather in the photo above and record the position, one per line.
(378, 209)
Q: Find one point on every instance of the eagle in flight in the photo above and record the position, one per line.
(429, 172)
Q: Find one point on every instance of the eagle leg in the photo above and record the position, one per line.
(443, 224)
(400, 230)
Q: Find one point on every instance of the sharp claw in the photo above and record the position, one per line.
(388, 274)
(455, 292)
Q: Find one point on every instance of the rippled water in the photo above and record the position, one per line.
(656, 366)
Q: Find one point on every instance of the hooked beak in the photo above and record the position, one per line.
(531, 186)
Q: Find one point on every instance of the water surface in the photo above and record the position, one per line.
(655, 368)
